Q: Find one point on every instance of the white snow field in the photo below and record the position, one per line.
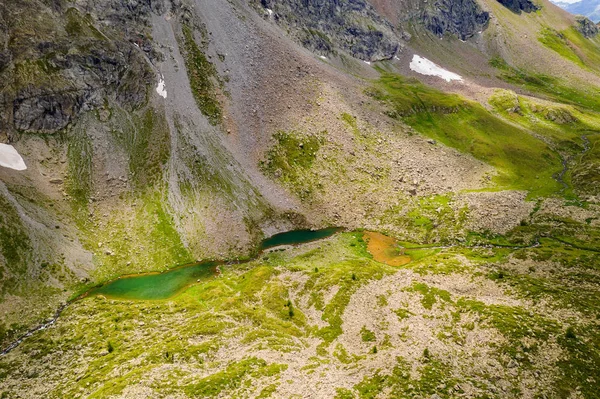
(10, 158)
(425, 67)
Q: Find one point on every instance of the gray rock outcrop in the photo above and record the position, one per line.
(462, 18)
(586, 26)
(71, 60)
(324, 26)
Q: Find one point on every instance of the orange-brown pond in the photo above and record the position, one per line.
(385, 249)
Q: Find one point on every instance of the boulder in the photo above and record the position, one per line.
(586, 26)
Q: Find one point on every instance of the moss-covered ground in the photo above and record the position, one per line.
(203, 76)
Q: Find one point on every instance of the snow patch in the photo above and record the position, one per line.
(323, 57)
(270, 12)
(10, 158)
(161, 89)
(367, 62)
(425, 67)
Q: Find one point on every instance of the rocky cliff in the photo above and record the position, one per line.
(586, 26)
(324, 26)
(462, 18)
(56, 63)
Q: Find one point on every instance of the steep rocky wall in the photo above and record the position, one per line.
(462, 18)
(60, 60)
(586, 26)
(324, 26)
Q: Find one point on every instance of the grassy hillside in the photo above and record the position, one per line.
(524, 161)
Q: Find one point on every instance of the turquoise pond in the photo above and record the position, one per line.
(158, 285)
(154, 286)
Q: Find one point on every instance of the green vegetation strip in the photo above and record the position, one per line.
(524, 161)
(203, 77)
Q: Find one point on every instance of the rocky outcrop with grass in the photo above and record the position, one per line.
(61, 60)
(586, 26)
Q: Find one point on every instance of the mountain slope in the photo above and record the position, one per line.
(160, 133)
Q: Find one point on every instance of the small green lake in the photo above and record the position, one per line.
(156, 285)
(152, 286)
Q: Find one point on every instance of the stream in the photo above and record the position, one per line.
(29, 333)
(559, 177)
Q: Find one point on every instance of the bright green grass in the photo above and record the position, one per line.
(586, 174)
(557, 42)
(367, 335)
(588, 49)
(582, 95)
(430, 295)
(564, 125)
(524, 162)
(434, 377)
(203, 77)
(291, 155)
(236, 374)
